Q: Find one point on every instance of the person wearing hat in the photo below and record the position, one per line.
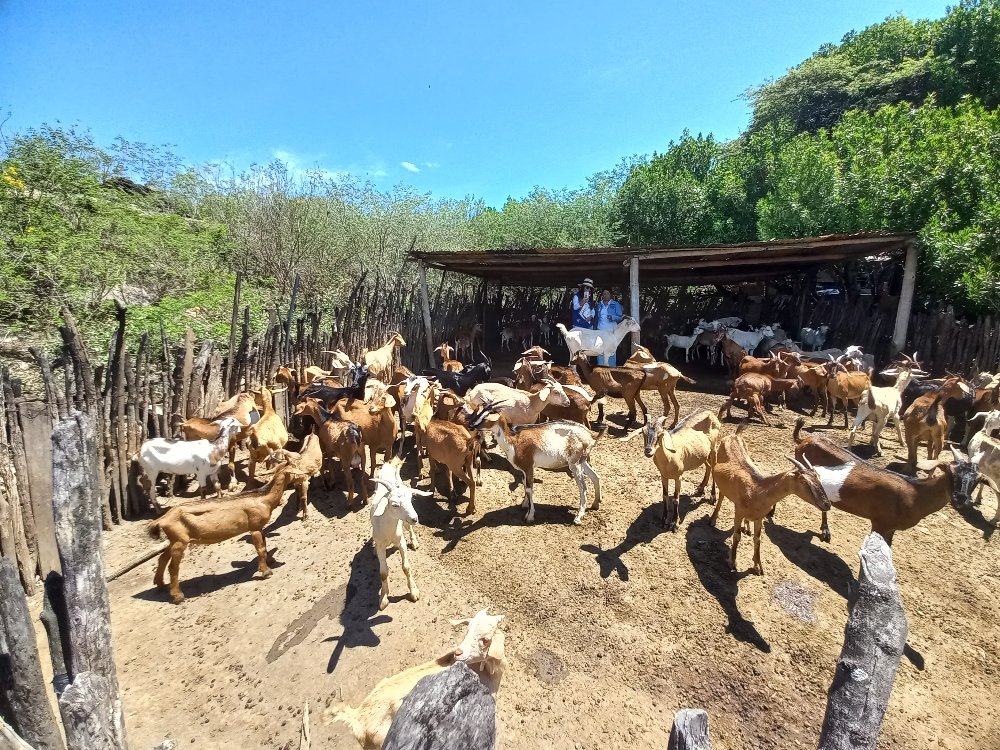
(583, 305)
(609, 315)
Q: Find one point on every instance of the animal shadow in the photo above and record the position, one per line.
(643, 530)
(709, 555)
(813, 559)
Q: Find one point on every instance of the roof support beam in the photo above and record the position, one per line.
(905, 298)
(633, 285)
(425, 307)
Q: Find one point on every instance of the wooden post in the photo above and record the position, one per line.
(9, 739)
(231, 354)
(287, 341)
(425, 307)
(633, 285)
(690, 731)
(905, 304)
(91, 706)
(27, 697)
(873, 645)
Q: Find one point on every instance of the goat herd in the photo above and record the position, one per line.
(540, 419)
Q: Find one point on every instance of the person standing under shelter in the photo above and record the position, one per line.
(583, 305)
(609, 315)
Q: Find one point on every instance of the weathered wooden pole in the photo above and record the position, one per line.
(873, 645)
(905, 304)
(91, 706)
(425, 308)
(690, 731)
(287, 338)
(21, 669)
(633, 285)
(9, 739)
(231, 353)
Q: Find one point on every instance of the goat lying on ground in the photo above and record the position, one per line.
(199, 457)
(661, 377)
(213, 521)
(392, 514)
(892, 501)
(755, 494)
(379, 361)
(553, 446)
(482, 650)
(689, 445)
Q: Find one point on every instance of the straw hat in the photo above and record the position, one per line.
(587, 282)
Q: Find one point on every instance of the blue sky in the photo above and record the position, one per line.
(452, 98)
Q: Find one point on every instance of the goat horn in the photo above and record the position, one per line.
(798, 464)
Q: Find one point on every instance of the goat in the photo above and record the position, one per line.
(341, 441)
(709, 340)
(461, 382)
(754, 494)
(749, 340)
(720, 324)
(882, 404)
(202, 458)
(753, 388)
(924, 421)
(517, 406)
(306, 463)
(465, 340)
(661, 377)
(620, 382)
(379, 361)
(377, 421)
(578, 409)
(210, 522)
(814, 338)
(843, 386)
(329, 395)
(553, 446)
(682, 342)
(482, 650)
(267, 435)
(891, 501)
(524, 331)
(986, 456)
(597, 343)
(813, 376)
(242, 407)
(455, 446)
(444, 349)
(392, 514)
(675, 451)
(544, 331)
(506, 338)
(732, 355)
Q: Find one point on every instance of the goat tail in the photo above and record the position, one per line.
(686, 379)
(154, 529)
(871, 396)
(799, 424)
(561, 328)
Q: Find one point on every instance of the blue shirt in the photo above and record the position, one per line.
(583, 312)
(608, 315)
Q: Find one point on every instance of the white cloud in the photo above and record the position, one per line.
(431, 164)
(409, 166)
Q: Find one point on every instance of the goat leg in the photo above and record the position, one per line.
(257, 538)
(758, 567)
(737, 532)
(383, 573)
(824, 529)
(404, 560)
(176, 553)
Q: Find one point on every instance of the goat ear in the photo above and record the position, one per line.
(389, 401)
(544, 393)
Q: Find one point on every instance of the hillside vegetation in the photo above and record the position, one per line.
(894, 128)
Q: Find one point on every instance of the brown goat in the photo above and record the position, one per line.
(453, 445)
(377, 420)
(267, 435)
(242, 407)
(621, 382)
(307, 463)
(732, 355)
(339, 441)
(379, 361)
(214, 521)
(844, 386)
(924, 421)
(661, 377)
(813, 376)
(753, 388)
(578, 409)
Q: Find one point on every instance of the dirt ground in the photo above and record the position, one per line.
(611, 626)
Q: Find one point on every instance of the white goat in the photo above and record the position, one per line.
(882, 403)
(749, 340)
(553, 446)
(202, 458)
(987, 459)
(597, 343)
(482, 649)
(682, 342)
(392, 515)
(518, 406)
(814, 338)
(506, 337)
(719, 324)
